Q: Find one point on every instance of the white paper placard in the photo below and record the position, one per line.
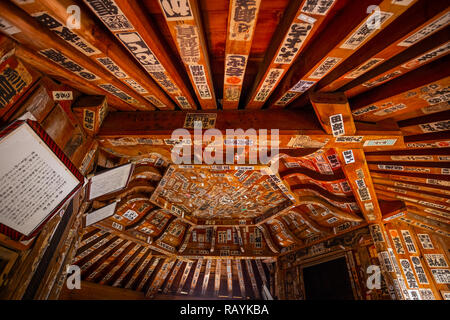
(100, 214)
(33, 180)
(109, 181)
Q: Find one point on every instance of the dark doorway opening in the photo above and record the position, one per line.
(328, 281)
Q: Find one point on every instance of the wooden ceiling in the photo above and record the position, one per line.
(292, 46)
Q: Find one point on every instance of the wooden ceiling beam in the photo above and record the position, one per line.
(184, 277)
(160, 277)
(435, 108)
(313, 224)
(94, 265)
(229, 274)
(390, 42)
(150, 269)
(345, 33)
(129, 281)
(242, 17)
(287, 232)
(437, 168)
(84, 257)
(33, 35)
(267, 236)
(238, 265)
(426, 224)
(384, 180)
(311, 243)
(188, 35)
(173, 274)
(419, 155)
(117, 263)
(252, 279)
(262, 274)
(217, 276)
(194, 281)
(100, 46)
(426, 200)
(436, 122)
(109, 259)
(417, 89)
(428, 140)
(296, 129)
(46, 66)
(333, 112)
(131, 25)
(125, 273)
(435, 217)
(300, 23)
(206, 276)
(435, 181)
(426, 51)
(358, 176)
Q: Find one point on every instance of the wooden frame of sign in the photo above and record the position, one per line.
(36, 179)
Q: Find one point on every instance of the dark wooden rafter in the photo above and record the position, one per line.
(96, 262)
(194, 281)
(217, 276)
(428, 140)
(130, 281)
(229, 277)
(86, 255)
(262, 273)
(160, 277)
(251, 274)
(184, 277)
(173, 274)
(145, 275)
(127, 268)
(425, 200)
(116, 263)
(207, 276)
(238, 266)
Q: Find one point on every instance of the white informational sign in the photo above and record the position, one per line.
(100, 214)
(109, 181)
(33, 180)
